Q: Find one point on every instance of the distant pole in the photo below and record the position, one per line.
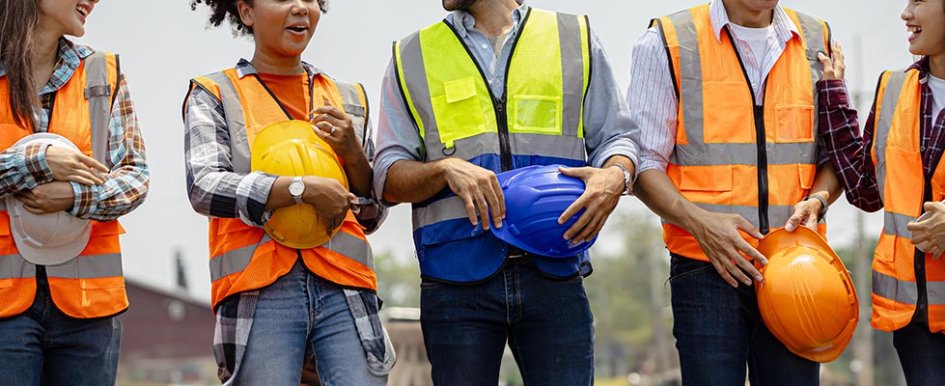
(863, 346)
(180, 269)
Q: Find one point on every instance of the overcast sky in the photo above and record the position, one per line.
(163, 44)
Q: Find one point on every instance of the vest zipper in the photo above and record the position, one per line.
(758, 111)
(499, 105)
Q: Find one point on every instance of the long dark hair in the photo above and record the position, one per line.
(18, 19)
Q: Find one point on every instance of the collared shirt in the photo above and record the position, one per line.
(852, 155)
(24, 167)
(214, 188)
(606, 118)
(652, 97)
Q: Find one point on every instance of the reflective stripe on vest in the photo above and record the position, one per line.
(897, 158)
(242, 124)
(716, 160)
(91, 285)
(458, 116)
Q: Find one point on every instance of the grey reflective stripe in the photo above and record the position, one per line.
(936, 292)
(98, 92)
(466, 148)
(690, 76)
(715, 154)
(894, 289)
(356, 109)
(233, 261)
(415, 75)
(352, 248)
(813, 33)
(572, 70)
(884, 125)
(777, 215)
(87, 267)
(568, 147)
(235, 122)
(15, 267)
(895, 224)
(450, 208)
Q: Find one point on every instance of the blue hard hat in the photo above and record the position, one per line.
(535, 197)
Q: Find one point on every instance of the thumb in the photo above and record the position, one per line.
(928, 206)
(825, 61)
(792, 222)
(573, 172)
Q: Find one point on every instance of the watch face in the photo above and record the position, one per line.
(296, 188)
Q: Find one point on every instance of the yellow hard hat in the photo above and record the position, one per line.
(291, 148)
(807, 300)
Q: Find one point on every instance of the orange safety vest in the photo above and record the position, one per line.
(897, 157)
(242, 257)
(732, 156)
(91, 285)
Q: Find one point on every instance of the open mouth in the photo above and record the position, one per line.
(83, 10)
(915, 32)
(298, 29)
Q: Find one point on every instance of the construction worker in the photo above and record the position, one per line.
(277, 306)
(722, 98)
(496, 86)
(62, 294)
(896, 166)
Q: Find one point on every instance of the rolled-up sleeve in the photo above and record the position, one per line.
(213, 187)
(606, 116)
(23, 168)
(398, 137)
(652, 102)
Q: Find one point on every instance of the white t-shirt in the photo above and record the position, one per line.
(759, 41)
(938, 95)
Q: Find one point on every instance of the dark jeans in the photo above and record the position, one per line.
(921, 353)
(719, 333)
(43, 346)
(547, 323)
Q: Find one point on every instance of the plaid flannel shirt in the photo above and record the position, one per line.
(24, 167)
(216, 190)
(851, 154)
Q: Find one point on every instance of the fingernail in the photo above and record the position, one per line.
(748, 282)
(759, 278)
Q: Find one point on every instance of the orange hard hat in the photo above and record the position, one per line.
(807, 300)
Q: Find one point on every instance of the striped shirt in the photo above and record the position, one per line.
(652, 97)
(215, 189)
(24, 168)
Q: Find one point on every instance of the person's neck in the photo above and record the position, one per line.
(493, 17)
(748, 18)
(267, 63)
(937, 65)
(43, 56)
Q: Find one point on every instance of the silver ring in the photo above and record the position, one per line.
(333, 130)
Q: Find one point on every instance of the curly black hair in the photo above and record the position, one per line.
(221, 10)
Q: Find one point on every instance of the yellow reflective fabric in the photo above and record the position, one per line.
(537, 107)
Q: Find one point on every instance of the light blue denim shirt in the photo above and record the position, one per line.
(606, 116)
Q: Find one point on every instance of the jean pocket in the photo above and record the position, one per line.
(682, 267)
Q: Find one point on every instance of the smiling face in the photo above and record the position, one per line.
(281, 27)
(925, 20)
(66, 17)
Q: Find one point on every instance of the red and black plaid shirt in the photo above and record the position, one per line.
(851, 154)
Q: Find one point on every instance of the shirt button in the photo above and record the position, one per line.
(485, 46)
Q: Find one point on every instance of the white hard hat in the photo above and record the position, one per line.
(47, 239)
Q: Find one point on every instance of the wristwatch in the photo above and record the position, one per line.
(627, 178)
(296, 189)
(823, 205)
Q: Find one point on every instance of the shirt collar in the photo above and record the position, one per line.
(466, 20)
(68, 58)
(782, 23)
(922, 65)
(245, 68)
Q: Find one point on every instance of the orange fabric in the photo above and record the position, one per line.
(271, 260)
(292, 91)
(78, 298)
(904, 195)
(728, 119)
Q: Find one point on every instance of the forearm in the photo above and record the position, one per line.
(412, 181)
(359, 173)
(657, 191)
(826, 184)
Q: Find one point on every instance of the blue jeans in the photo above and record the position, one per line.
(547, 323)
(921, 353)
(720, 334)
(43, 346)
(303, 314)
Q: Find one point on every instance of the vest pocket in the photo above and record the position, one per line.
(729, 115)
(459, 111)
(795, 123)
(536, 114)
(706, 178)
